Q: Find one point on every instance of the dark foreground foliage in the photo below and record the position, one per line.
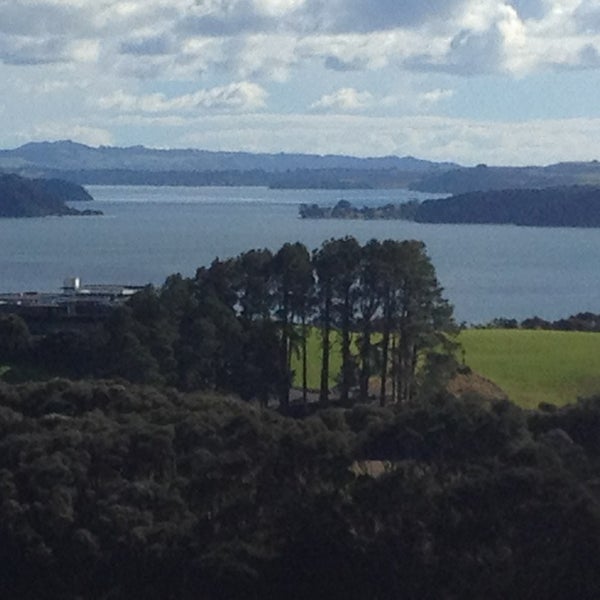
(111, 491)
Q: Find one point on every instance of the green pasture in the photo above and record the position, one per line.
(534, 366)
(531, 366)
(314, 360)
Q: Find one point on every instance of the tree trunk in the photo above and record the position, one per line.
(387, 326)
(284, 394)
(325, 330)
(395, 370)
(365, 369)
(304, 362)
(346, 358)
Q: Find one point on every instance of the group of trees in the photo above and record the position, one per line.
(583, 321)
(124, 492)
(243, 324)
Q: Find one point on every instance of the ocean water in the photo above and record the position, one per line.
(147, 233)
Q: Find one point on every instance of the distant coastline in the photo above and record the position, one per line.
(569, 206)
(21, 197)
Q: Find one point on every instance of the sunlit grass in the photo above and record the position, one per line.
(534, 366)
(530, 366)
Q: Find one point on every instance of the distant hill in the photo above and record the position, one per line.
(140, 165)
(22, 197)
(572, 206)
(484, 178)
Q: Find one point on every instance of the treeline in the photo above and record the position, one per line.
(236, 325)
(297, 178)
(572, 206)
(122, 492)
(584, 321)
(344, 209)
(575, 206)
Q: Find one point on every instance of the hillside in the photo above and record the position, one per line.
(138, 165)
(573, 206)
(21, 197)
(484, 178)
(534, 366)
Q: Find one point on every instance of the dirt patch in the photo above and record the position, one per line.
(471, 383)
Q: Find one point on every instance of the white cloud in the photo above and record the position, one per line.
(435, 96)
(268, 38)
(242, 97)
(436, 138)
(342, 100)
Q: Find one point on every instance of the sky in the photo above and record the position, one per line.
(471, 81)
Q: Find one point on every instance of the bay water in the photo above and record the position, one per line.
(147, 233)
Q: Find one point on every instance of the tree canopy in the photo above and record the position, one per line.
(109, 490)
(239, 323)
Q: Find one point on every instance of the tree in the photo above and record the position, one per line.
(369, 303)
(15, 339)
(345, 285)
(421, 315)
(294, 281)
(324, 261)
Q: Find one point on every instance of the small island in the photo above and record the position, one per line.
(23, 197)
(567, 206)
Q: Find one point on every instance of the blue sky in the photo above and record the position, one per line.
(500, 82)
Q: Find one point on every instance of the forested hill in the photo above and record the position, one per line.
(574, 206)
(484, 178)
(138, 165)
(21, 197)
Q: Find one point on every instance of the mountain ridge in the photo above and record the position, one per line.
(68, 155)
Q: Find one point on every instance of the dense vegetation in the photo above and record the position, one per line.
(583, 321)
(111, 491)
(237, 323)
(576, 206)
(484, 178)
(21, 197)
(338, 178)
(344, 209)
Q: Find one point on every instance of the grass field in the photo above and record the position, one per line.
(536, 366)
(530, 366)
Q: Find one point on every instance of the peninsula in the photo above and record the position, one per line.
(23, 197)
(568, 206)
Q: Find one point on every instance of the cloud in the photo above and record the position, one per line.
(241, 97)
(342, 100)
(180, 39)
(436, 138)
(40, 18)
(435, 96)
(358, 16)
(587, 17)
(148, 46)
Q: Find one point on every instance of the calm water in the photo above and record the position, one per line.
(147, 233)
